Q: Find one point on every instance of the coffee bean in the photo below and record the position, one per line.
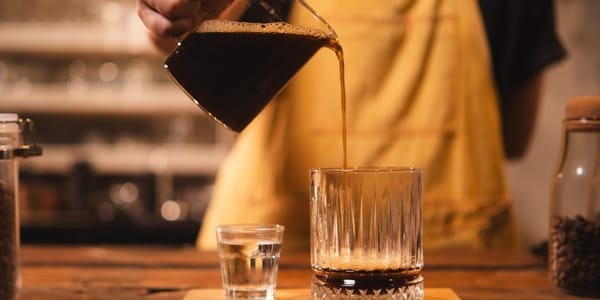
(575, 254)
(8, 243)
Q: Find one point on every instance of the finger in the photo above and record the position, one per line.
(174, 8)
(161, 26)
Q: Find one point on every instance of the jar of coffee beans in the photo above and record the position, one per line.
(574, 238)
(13, 145)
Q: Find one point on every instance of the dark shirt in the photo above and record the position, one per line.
(522, 39)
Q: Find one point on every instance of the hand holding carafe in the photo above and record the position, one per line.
(174, 18)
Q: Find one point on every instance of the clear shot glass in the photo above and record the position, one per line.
(249, 256)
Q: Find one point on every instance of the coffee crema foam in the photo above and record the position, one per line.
(364, 264)
(224, 26)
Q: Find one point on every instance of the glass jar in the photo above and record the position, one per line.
(11, 148)
(574, 239)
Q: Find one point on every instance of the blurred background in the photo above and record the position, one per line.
(129, 159)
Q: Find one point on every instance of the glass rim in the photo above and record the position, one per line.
(250, 228)
(367, 170)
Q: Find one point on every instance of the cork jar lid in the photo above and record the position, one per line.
(585, 107)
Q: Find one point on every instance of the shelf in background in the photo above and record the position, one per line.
(131, 159)
(69, 229)
(80, 39)
(163, 98)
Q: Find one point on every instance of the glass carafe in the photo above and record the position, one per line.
(232, 69)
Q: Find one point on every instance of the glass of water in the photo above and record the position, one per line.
(249, 260)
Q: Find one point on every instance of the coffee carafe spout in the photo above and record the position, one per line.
(332, 33)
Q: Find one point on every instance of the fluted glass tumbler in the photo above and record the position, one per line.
(366, 233)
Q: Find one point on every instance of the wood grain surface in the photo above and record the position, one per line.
(149, 272)
(304, 294)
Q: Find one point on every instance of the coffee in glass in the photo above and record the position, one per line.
(366, 233)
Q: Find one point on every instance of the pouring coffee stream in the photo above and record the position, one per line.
(232, 69)
(339, 52)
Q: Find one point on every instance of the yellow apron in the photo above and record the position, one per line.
(420, 93)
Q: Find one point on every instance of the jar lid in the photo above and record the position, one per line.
(26, 129)
(585, 107)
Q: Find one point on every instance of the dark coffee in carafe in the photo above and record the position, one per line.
(232, 69)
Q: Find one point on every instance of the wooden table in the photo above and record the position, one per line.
(137, 272)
